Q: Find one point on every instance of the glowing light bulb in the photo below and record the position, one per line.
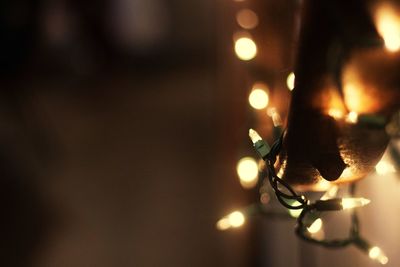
(290, 81)
(258, 98)
(232, 220)
(247, 19)
(315, 227)
(260, 145)
(276, 118)
(335, 113)
(352, 117)
(245, 48)
(247, 170)
(236, 219)
(377, 254)
(388, 26)
(223, 224)
(384, 167)
(254, 136)
(349, 203)
(294, 212)
(330, 193)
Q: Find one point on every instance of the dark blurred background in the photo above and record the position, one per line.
(115, 135)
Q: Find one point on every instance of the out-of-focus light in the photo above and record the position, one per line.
(377, 254)
(321, 185)
(247, 19)
(330, 193)
(335, 113)
(236, 219)
(353, 96)
(290, 81)
(276, 118)
(245, 48)
(247, 170)
(280, 172)
(265, 198)
(295, 213)
(352, 117)
(232, 220)
(388, 26)
(384, 167)
(350, 203)
(315, 226)
(258, 97)
(223, 224)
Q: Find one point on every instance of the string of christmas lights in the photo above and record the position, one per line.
(308, 214)
(309, 221)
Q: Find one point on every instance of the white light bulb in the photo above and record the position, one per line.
(258, 98)
(352, 117)
(236, 219)
(315, 227)
(232, 220)
(376, 253)
(384, 167)
(254, 136)
(245, 48)
(330, 193)
(349, 203)
(223, 224)
(290, 81)
(247, 170)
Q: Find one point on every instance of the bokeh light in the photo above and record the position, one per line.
(315, 227)
(387, 23)
(245, 48)
(290, 81)
(247, 19)
(258, 97)
(384, 167)
(236, 219)
(247, 170)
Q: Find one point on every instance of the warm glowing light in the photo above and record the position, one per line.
(247, 19)
(352, 117)
(258, 98)
(388, 26)
(353, 96)
(276, 118)
(376, 253)
(233, 220)
(295, 213)
(247, 170)
(254, 136)
(347, 173)
(335, 113)
(349, 203)
(384, 167)
(321, 185)
(315, 227)
(245, 48)
(330, 193)
(236, 219)
(290, 81)
(223, 224)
